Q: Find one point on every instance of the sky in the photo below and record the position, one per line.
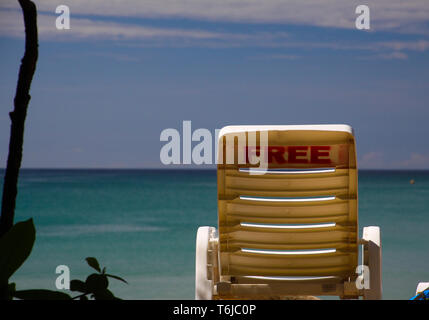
(105, 89)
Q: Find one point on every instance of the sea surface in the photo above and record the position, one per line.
(141, 225)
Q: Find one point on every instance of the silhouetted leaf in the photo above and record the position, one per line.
(104, 270)
(96, 282)
(41, 295)
(83, 298)
(15, 247)
(12, 287)
(104, 295)
(116, 277)
(93, 263)
(6, 291)
(78, 285)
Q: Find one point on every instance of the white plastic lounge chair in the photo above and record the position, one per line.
(292, 231)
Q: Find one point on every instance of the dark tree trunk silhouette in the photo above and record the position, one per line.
(18, 115)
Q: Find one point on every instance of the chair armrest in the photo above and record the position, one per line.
(373, 259)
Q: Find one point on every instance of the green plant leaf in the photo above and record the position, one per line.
(41, 295)
(93, 263)
(116, 277)
(15, 247)
(78, 285)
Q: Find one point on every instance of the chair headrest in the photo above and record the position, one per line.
(289, 146)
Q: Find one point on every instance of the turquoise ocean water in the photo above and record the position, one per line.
(141, 224)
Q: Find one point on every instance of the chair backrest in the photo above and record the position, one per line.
(300, 218)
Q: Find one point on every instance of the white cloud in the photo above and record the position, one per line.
(418, 45)
(137, 35)
(396, 15)
(396, 55)
(415, 161)
(276, 57)
(11, 24)
(372, 160)
(377, 160)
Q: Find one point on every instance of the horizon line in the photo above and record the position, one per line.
(185, 169)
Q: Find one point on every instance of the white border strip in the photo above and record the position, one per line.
(271, 171)
(308, 127)
(287, 226)
(291, 278)
(287, 199)
(288, 252)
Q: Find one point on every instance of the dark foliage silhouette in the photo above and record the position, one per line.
(16, 241)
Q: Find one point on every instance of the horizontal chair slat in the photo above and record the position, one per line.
(233, 219)
(272, 175)
(344, 271)
(292, 237)
(232, 227)
(267, 183)
(233, 246)
(276, 261)
(291, 209)
(235, 200)
(289, 193)
(238, 165)
(299, 281)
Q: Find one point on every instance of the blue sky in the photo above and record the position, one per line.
(105, 89)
